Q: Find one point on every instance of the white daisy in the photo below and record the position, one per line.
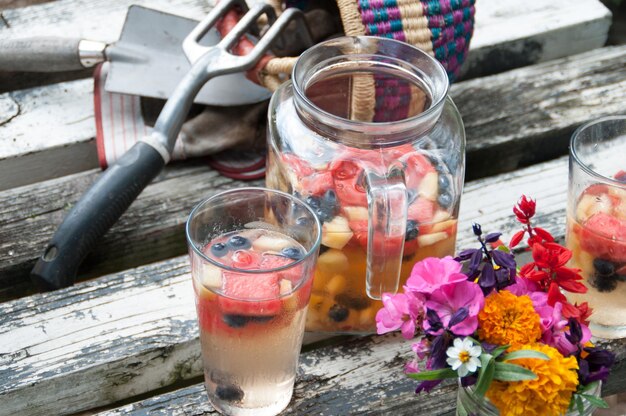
(463, 356)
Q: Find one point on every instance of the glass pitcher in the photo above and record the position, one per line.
(366, 134)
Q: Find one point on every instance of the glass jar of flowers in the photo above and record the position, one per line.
(507, 333)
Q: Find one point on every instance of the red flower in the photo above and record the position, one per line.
(525, 209)
(550, 272)
(580, 312)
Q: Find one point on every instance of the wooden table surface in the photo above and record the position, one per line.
(124, 339)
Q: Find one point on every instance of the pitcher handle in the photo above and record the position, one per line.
(387, 207)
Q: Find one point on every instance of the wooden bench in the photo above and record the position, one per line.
(123, 340)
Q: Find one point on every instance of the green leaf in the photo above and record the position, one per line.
(580, 405)
(503, 248)
(485, 375)
(434, 374)
(589, 387)
(596, 401)
(498, 351)
(525, 354)
(512, 372)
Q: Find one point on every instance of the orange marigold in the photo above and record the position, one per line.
(547, 395)
(508, 319)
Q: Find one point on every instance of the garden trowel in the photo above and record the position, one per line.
(148, 59)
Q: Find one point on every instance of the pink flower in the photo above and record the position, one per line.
(431, 273)
(449, 299)
(399, 311)
(523, 286)
(555, 327)
(421, 348)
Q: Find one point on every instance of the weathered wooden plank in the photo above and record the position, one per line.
(36, 126)
(512, 119)
(510, 34)
(150, 230)
(363, 376)
(123, 334)
(527, 115)
(503, 38)
(87, 19)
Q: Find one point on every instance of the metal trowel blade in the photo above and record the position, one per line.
(148, 60)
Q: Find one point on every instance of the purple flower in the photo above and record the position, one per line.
(399, 311)
(431, 273)
(556, 330)
(595, 366)
(457, 306)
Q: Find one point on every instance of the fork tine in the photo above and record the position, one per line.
(276, 30)
(193, 50)
(246, 21)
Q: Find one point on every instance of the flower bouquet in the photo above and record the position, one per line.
(509, 335)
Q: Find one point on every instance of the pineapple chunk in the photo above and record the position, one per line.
(440, 216)
(429, 188)
(592, 204)
(286, 287)
(337, 284)
(367, 316)
(443, 226)
(430, 239)
(336, 233)
(210, 276)
(331, 262)
(356, 213)
(269, 243)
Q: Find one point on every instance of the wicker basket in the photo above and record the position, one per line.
(443, 28)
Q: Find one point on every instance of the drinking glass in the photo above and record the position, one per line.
(253, 253)
(596, 221)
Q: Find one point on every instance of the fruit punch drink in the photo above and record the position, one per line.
(252, 278)
(339, 302)
(366, 135)
(596, 222)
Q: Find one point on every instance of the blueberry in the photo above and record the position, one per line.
(411, 230)
(353, 302)
(603, 267)
(324, 214)
(445, 200)
(444, 182)
(604, 283)
(219, 249)
(235, 321)
(238, 242)
(261, 319)
(229, 392)
(313, 201)
(338, 313)
(292, 252)
(330, 201)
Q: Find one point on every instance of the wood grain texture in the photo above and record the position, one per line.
(512, 119)
(362, 377)
(527, 115)
(124, 334)
(151, 229)
(512, 34)
(503, 39)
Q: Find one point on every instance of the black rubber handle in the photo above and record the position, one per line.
(98, 209)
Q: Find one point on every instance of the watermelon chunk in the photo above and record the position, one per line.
(260, 291)
(604, 236)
